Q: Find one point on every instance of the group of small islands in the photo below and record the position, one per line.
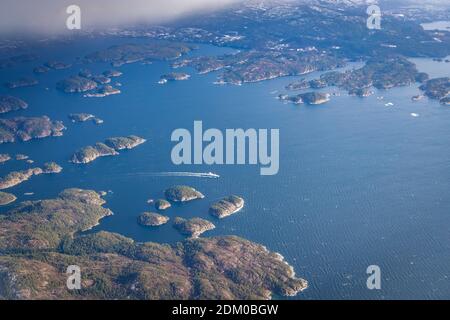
(48, 235)
(380, 73)
(193, 227)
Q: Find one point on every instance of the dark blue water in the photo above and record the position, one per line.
(359, 183)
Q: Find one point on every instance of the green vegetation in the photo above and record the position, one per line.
(226, 206)
(182, 194)
(152, 219)
(192, 227)
(44, 235)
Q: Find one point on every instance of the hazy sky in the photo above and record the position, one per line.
(50, 15)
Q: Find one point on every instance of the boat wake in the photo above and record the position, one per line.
(209, 175)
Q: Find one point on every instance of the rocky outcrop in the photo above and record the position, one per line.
(10, 103)
(152, 219)
(438, 89)
(182, 194)
(226, 207)
(51, 167)
(22, 82)
(76, 84)
(120, 143)
(17, 177)
(162, 204)
(90, 153)
(24, 129)
(4, 157)
(109, 148)
(6, 198)
(192, 227)
(83, 117)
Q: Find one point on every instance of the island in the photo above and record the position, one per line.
(259, 65)
(162, 204)
(438, 89)
(76, 84)
(379, 72)
(51, 167)
(45, 235)
(152, 219)
(103, 92)
(112, 73)
(17, 177)
(22, 82)
(57, 65)
(311, 98)
(192, 227)
(83, 117)
(173, 76)
(182, 194)
(41, 69)
(27, 128)
(10, 103)
(101, 79)
(6, 198)
(90, 153)
(119, 55)
(17, 59)
(110, 147)
(121, 143)
(226, 207)
(4, 157)
(21, 156)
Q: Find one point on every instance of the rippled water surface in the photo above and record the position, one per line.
(359, 183)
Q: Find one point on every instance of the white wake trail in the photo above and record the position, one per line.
(209, 175)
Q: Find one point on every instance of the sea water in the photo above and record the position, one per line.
(359, 183)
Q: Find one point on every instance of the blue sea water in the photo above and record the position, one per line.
(359, 183)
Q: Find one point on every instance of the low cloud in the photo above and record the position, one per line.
(49, 16)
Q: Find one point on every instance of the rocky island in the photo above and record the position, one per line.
(226, 207)
(103, 92)
(162, 204)
(182, 194)
(17, 177)
(255, 65)
(6, 198)
(41, 69)
(24, 129)
(192, 227)
(174, 76)
(22, 82)
(110, 147)
(83, 117)
(4, 157)
(76, 84)
(10, 103)
(112, 73)
(311, 98)
(152, 219)
(379, 72)
(119, 55)
(101, 79)
(57, 65)
(51, 167)
(438, 89)
(121, 143)
(90, 153)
